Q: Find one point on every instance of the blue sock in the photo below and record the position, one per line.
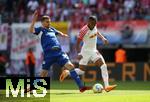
(77, 79)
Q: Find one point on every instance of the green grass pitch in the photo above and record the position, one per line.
(125, 92)
(3, 98)
(67, 92)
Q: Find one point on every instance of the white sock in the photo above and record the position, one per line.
(78, 71)
(104, 73)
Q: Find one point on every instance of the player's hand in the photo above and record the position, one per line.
(35, 15)
(65, 35)
(105, 41)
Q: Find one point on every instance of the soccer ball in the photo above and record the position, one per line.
(97, 88)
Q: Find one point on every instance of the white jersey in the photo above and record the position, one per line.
(89, 38)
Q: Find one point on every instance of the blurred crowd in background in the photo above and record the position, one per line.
(133, 27)
(74, 10)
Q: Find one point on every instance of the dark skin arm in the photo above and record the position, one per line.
(78, 48)
(78, 45)
(105, 41)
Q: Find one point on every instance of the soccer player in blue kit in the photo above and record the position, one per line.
(52, 49)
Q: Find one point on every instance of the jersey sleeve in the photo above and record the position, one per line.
(55, 30)
(37, 30)
(82, 33)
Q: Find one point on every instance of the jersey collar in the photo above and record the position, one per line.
(49, 29)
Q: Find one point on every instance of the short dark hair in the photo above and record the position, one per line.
(44, 18)
(93, 18)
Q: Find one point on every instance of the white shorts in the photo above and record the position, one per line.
(90, 56)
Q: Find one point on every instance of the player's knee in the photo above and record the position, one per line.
(104, 67)
(69, 66)
(99, 63)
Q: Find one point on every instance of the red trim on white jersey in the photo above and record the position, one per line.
(83, 31)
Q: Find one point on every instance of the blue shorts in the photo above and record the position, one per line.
(61, 60)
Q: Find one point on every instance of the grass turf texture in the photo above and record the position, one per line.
(67, 92)
(125, 92)
(3, 97)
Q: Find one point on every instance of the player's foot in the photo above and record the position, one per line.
(63, 75)
(85, 88)
(110, 87)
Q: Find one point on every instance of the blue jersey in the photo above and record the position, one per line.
(49, 41)
(51, 47)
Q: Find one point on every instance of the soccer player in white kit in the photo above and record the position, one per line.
(88, 34)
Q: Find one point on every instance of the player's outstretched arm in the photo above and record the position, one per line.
(105, 41)
(78, 45)
(35, 16)
(62, 34)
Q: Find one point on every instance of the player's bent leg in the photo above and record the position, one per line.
(68, 66)
(66, 73)
(105, 75)
(79, 71)
(76, 77)
(99, 63)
